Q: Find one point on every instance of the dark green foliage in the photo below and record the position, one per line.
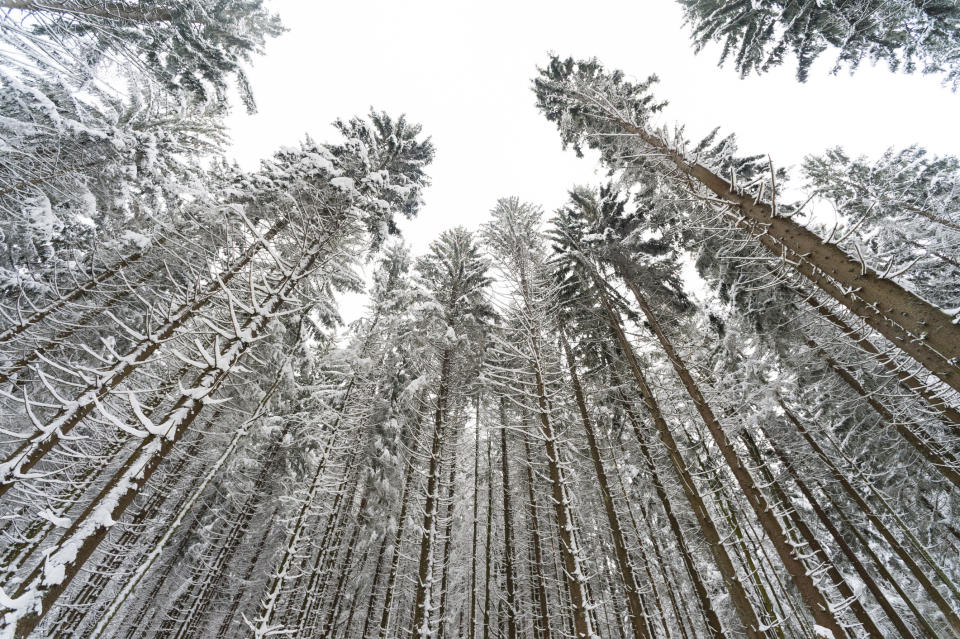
(756, 35)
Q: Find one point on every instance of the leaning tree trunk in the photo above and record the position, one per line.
(711, 619)
(738, 594)
(949, 415)
(814, 600)
(28, 454)
(871, 584)
(786, 506)
(940, 458)
(627, 578)
(905, 556)
(47, 582)
(913, 325)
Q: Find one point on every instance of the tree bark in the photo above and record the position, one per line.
(738, 595)
(842, 544)
(628, 579)
(945, 608)
(813, 598)
(420, 627)
(915, 326)
(507, 525)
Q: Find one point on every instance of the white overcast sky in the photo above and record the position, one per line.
(464, 70)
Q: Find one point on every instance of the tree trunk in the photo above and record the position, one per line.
(937, 456)
(476, 524)
(918, 328)
(738, 595)
(627, 578)
(507, 525)
(447, 546)
(945, 608)
(541, 623)
(812, 597)
(711, 619)
(841, 542)
(26, 456)
(398, 537)
(787, 506)
(949, 415)
(424, 586)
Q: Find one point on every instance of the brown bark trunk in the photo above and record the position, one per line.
(918, 328)
(447, 547)
(568, 549)
(938, 457)
(374, 585)
(38, 316)
(144, 459)
(711, 620)
(738, 595)
(894, 544)
(949, 415)
(488, 550)
(507, 525)
(842, 544)
(420, 626)
(631, 591)
(344, 571)
(60, 336)
(541, 623)
(814, 600)
(787, 506)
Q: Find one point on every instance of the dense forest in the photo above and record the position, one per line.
(680, 406)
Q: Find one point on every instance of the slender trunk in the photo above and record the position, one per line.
(814, 600)
(915, 326)
(938, 457)
(542, 621)
(447, 547)
(841, 542)
(488, 551)
(329, 547)
(905, 556)
(245, 579)
(786, 506)
(61, 302)
(949, 415)
(61, 336)
(344, 567)
(711, 620)
(507, 525)
(26, 456)
(375, 584)
(569, 550)
(476, 524)
(881, 565)
(627, 578)
(424, 586)
(738, 595)
(398, 537)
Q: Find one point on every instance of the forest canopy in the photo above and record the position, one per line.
(680, 405)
